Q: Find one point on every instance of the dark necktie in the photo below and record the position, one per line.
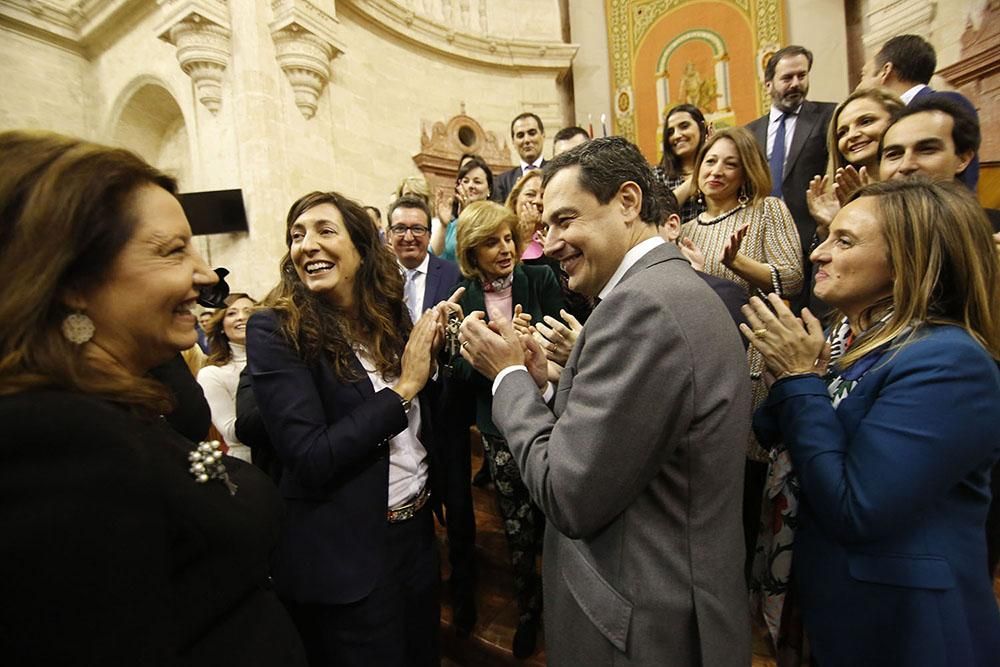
(777, 160)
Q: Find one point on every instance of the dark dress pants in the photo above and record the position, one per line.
(397, 624)
(457, 412)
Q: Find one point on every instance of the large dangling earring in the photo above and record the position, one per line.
(77, 328)
(743, 199)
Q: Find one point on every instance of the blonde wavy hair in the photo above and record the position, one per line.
(477, 222)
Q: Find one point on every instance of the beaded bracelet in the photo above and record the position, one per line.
(775, 279)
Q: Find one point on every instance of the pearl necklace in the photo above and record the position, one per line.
(721, 216)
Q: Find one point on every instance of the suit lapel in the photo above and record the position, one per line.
(803, 128)
(473, 299)
(431, 284)
(519, 288)
(760, 131)
(364, 385)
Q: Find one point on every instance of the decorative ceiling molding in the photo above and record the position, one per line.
(305, 41)
(199, 29)
(509, 53)
(83, 27)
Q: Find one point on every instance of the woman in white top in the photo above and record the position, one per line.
(227, 357)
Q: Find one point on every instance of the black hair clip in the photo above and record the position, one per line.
(214, 296)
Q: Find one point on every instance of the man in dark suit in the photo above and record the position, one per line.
(430, 280)
(637, 465)
(528, 135)
(905, 65)
(801, 153)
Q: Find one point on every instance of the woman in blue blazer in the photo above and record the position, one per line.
(338, 372)
(894, 440)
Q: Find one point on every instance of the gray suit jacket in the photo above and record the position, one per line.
(640, 474)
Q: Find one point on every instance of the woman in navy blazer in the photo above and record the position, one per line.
(336, 369)
(893, 452)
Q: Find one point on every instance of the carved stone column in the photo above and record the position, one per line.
(305, 41)
(200, 31)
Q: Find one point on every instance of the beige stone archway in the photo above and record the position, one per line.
(147, 119)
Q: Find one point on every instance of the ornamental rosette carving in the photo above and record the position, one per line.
(200, 33)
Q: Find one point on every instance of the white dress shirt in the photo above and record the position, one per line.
(908, 96)
(772, 130)
(419, 286)
(537, 164)
(407, 456)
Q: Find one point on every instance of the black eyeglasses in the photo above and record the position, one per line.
(400, 230)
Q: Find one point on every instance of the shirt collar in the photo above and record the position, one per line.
(537, 164)
(776, 113)
(421, 268)
(635, 253)
(908, 96)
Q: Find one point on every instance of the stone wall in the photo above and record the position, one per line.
(368, 76)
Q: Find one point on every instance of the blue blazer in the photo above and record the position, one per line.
(332, 439)
(890, 553)
(442, 279)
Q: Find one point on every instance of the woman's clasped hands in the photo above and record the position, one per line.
(790, 345)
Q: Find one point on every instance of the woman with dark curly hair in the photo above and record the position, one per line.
(339, 374)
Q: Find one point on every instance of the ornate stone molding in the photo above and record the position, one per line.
(888, 18)
(82, 26)
(305, 41)
(443, 142)
(199, 29)
(440, 38)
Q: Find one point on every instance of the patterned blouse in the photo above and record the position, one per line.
(772, 239)
(689, 209)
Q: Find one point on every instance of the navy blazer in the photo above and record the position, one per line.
(442, 279)
(504, 183)
(332, 439)
(889, 554)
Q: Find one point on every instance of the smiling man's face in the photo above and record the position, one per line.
(588, 238)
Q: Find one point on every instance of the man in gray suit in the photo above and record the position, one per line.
(638, 466)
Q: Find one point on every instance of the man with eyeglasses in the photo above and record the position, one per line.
(430, 280)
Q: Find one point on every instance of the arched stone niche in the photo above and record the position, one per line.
(443, 143)
(148, 121)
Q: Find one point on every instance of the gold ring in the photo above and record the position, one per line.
(465, 343)
(760, 333)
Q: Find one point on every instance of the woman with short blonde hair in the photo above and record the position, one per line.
(497, 284)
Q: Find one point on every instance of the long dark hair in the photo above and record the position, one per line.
(671, 163)
(64, 218)
(219, 352)
(318, 328)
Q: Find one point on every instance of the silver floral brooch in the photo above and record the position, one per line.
(206, 464)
